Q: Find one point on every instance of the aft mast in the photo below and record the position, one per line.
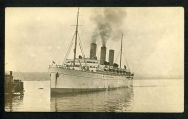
(121, 50)
(76, 32)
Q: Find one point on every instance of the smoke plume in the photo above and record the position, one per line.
(108, 23)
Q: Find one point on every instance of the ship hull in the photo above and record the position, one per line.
(73, 81)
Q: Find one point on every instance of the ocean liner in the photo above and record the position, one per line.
(82, 74)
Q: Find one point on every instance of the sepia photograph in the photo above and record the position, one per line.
(94, 59)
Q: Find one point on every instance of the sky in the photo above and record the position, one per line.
(153, 42)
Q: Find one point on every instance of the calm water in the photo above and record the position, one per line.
(151, 95)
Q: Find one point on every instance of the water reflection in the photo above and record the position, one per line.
(12, 102)
(105, 101)
(148, 96)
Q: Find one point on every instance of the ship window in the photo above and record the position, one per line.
(91, 62)
(88, 61)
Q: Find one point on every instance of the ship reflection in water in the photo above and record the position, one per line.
(145, 96)
(12, 101)
(117, 100)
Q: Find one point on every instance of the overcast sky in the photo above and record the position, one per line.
(153, 41)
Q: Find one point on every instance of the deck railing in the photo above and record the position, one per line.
(59, 66)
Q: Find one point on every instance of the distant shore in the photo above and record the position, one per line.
(42, 76)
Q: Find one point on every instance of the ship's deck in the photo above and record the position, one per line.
(107, 72)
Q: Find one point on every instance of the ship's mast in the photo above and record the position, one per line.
(76, 32)
(121, 50)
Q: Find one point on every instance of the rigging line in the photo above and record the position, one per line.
(80, 44)
(75, 46)
(126, 61)
(70, 45)
(121, 51)
(68, 51)
(117, 56)
(124, 56)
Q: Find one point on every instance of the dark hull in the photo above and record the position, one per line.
(60, 91)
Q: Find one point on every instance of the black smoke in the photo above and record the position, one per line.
(108, 23)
